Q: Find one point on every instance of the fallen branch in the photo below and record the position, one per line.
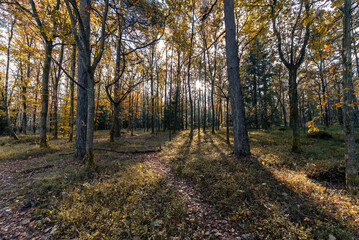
(129, 152)
(64, 154)
(31, 170)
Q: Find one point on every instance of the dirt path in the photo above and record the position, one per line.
(17, 204)
(213, 227)
(15, 218)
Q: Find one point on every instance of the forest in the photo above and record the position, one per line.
(169, 119)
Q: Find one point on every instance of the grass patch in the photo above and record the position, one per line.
(27, 147)
(122, 198)
(274, 194)
(135, 203)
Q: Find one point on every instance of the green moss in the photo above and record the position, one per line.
(44, 141)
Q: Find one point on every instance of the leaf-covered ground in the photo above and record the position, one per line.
(193, 189)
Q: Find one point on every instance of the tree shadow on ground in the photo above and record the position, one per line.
(258, 201)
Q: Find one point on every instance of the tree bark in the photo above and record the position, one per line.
(152, 92)
(72, 94)
(352, 176)
(83, 79)
(241, 140)
(227, 119)
(35, 103)
(81, 111)
(24, 103)
(189, 73)
(11, 129)
(56, 86)
(44, 140)
(294, 112)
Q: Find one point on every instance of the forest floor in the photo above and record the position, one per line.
(191, 187)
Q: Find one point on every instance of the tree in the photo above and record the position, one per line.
(241, 140)
(257, 84)
(352, 171)
(6, 103)
(44, 21)
(293, 60)
(80, 16)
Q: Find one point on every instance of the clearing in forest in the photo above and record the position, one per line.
(188, 188)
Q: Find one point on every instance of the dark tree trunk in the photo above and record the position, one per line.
(205, 90)
(35, 104)
(152, 93)
(165, 100)
(255, 102)
(294, 111)
(213, 76)
(83, 79)
(115, 126)
(227, 119)
(72, 94)
(81, 112)
(44, 140)
(24, 106)
(177, 95)
(340, 109)
(189, 75)
(352, 176)
(6, 103)
(56, 86)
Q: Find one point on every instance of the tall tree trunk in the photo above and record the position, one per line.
(213, 76)
(199, 112)
(56, 86)
(83, 79)
(255, 102)
(6, 103)
(165, 103)
(132, 126)
(98, 93)
(241, 140)
(115, 126)
(189, 72)
(352, 176)
(90, 161)
(72, 94)
(340, 109)
(356, 108)
(227, 119)
(323, 86)
(24, 105)
(116, 122)
(81, 111)
(170, 98)
(294, 112)
(152, 93)
(158, 120)
(177, 95)
(205, 90)
(35, 103)
(44, 140)
(284, 112)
